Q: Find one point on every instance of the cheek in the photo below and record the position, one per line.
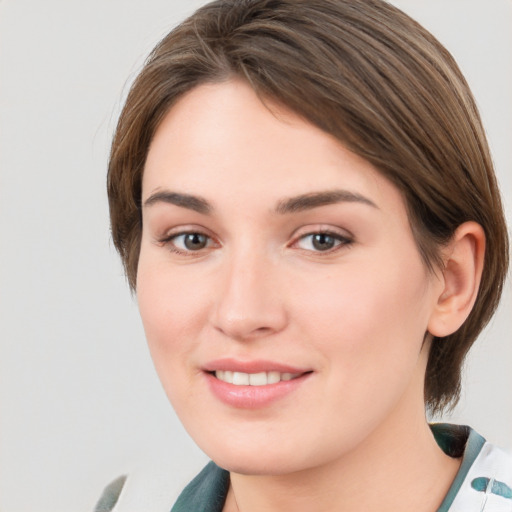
(172, 311)
(367, 309)
(369, 327)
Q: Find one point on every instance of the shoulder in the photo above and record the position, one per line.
(491, 473)
(484, 481)
(154, 489)
(487, 485)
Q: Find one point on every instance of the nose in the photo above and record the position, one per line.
(250, 302)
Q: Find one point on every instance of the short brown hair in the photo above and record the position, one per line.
(364, 72)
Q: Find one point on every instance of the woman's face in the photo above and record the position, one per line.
(283, 297)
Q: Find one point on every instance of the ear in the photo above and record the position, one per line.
(463, 263)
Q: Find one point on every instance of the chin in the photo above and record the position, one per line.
(264, 458)
(256, 465)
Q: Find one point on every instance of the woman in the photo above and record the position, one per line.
(304, 201)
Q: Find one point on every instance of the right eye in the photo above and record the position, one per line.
(183, 243)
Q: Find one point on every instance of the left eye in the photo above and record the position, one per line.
(190, 241)
(321, 242)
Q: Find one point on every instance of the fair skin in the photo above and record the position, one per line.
(269, 247)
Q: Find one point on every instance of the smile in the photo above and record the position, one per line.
(253, 384)
(254, 379)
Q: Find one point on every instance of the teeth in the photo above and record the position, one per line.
(240, 379)
(273, 377)
(258, 379)
(253, 379)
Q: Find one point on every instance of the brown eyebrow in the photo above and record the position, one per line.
(316, 199)
(289, 205)
(198, 204)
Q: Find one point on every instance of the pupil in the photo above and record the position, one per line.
(195, 241)
(323, 242)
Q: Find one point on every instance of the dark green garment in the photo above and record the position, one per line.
(207, 492)
(457, 441)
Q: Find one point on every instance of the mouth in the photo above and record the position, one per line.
(254, 379)
(253, 385)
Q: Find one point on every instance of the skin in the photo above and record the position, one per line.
(356, 316)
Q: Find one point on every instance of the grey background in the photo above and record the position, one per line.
(80, 403)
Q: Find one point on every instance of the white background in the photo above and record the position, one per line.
(80, 403)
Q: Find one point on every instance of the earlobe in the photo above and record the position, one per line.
(462, 272)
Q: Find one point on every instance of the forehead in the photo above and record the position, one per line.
(221, 141)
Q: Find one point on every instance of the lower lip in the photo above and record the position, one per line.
(253, 397)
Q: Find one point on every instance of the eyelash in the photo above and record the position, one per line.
(340, 242)
(169, 242)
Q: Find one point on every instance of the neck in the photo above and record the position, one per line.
(399, 467)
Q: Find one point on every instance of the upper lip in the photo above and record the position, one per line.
(253, 366)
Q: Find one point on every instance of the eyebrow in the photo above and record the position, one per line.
(196, 203)
(316, 199)
(290, 205)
